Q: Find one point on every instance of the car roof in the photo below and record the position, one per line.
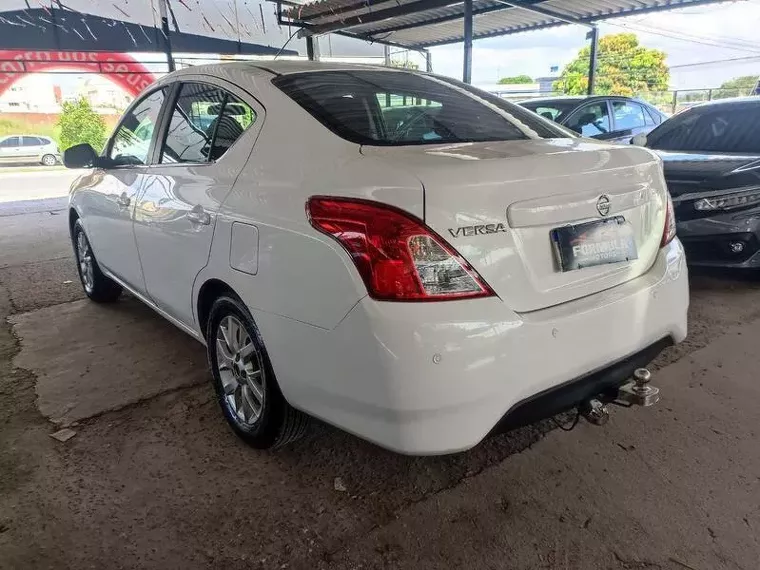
(580, 99)
(283, 67)
(751, 100)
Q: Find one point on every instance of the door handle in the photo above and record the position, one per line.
(199, 216)
(123, 200)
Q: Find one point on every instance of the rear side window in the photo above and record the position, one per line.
(720, 129)
(393, 108)
(206, 121)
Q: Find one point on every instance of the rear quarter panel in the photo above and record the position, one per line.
(302, 274)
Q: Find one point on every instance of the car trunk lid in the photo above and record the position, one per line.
(498, 202)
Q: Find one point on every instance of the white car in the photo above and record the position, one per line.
(25, 149)
(401, 255)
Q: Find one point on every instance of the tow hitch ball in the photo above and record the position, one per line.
(637, 392)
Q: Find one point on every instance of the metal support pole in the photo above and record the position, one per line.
(310, 51)
(428, 62)
(387, 56)
(165, 29)
(674, 104)
(592, 35)
(467, 66)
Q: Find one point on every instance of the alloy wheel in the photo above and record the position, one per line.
(241, 371)
(86, 262)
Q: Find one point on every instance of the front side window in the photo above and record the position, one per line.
(31, 141)
(716, 129)
(206, 122)
(590, 120)
(131, 143)
(628, 115)
(393, 108)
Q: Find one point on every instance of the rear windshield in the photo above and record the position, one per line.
(710, 129)
(393, 108)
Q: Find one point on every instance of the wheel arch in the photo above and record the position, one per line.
(73, 217)
(211, 290)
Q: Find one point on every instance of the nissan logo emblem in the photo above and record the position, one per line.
(603, 205)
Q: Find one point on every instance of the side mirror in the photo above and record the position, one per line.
(639, 140)
(80, 156)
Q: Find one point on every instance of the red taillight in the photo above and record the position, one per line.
(398, 257)
(669, 232)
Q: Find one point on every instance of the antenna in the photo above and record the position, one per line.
(286, 43)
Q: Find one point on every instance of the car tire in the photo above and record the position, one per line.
(244, 381)
(97, 286)
(49, 160)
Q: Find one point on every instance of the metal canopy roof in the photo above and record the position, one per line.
(418, 24)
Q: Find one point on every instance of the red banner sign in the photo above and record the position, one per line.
(122, 69)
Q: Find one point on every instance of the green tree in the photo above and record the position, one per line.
(736, 87)
(623, 68)
(516, 80)
(79, 123)
(743, 82)
(404, 64)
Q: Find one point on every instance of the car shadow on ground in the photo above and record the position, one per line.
(155, 474)
(155, 430)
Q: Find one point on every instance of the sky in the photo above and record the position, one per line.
(533, 53)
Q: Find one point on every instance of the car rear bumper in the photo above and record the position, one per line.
(434, 378)
(724, 240)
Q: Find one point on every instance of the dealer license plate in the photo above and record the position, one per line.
(594, 243)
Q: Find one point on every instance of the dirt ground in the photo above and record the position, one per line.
(153, 478)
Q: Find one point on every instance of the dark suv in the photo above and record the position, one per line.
(604, 117)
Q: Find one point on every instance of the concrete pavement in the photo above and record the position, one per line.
(35, 185)
(155, 479)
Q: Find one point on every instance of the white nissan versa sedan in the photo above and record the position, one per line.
(401, 255)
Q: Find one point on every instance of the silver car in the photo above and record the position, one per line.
(28, 148)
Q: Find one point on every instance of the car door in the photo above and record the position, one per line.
(30, 148)
(629, 119)
(591, 120)
(10, 149)
(38, 146)
(109, 198)
(206, 140)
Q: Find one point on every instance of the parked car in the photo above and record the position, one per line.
(607, 118)
(711, 155)
(418, 280)
(21, 149)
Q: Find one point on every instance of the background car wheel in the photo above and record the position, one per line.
(96, 286)
(49, 160)
(244, 381)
